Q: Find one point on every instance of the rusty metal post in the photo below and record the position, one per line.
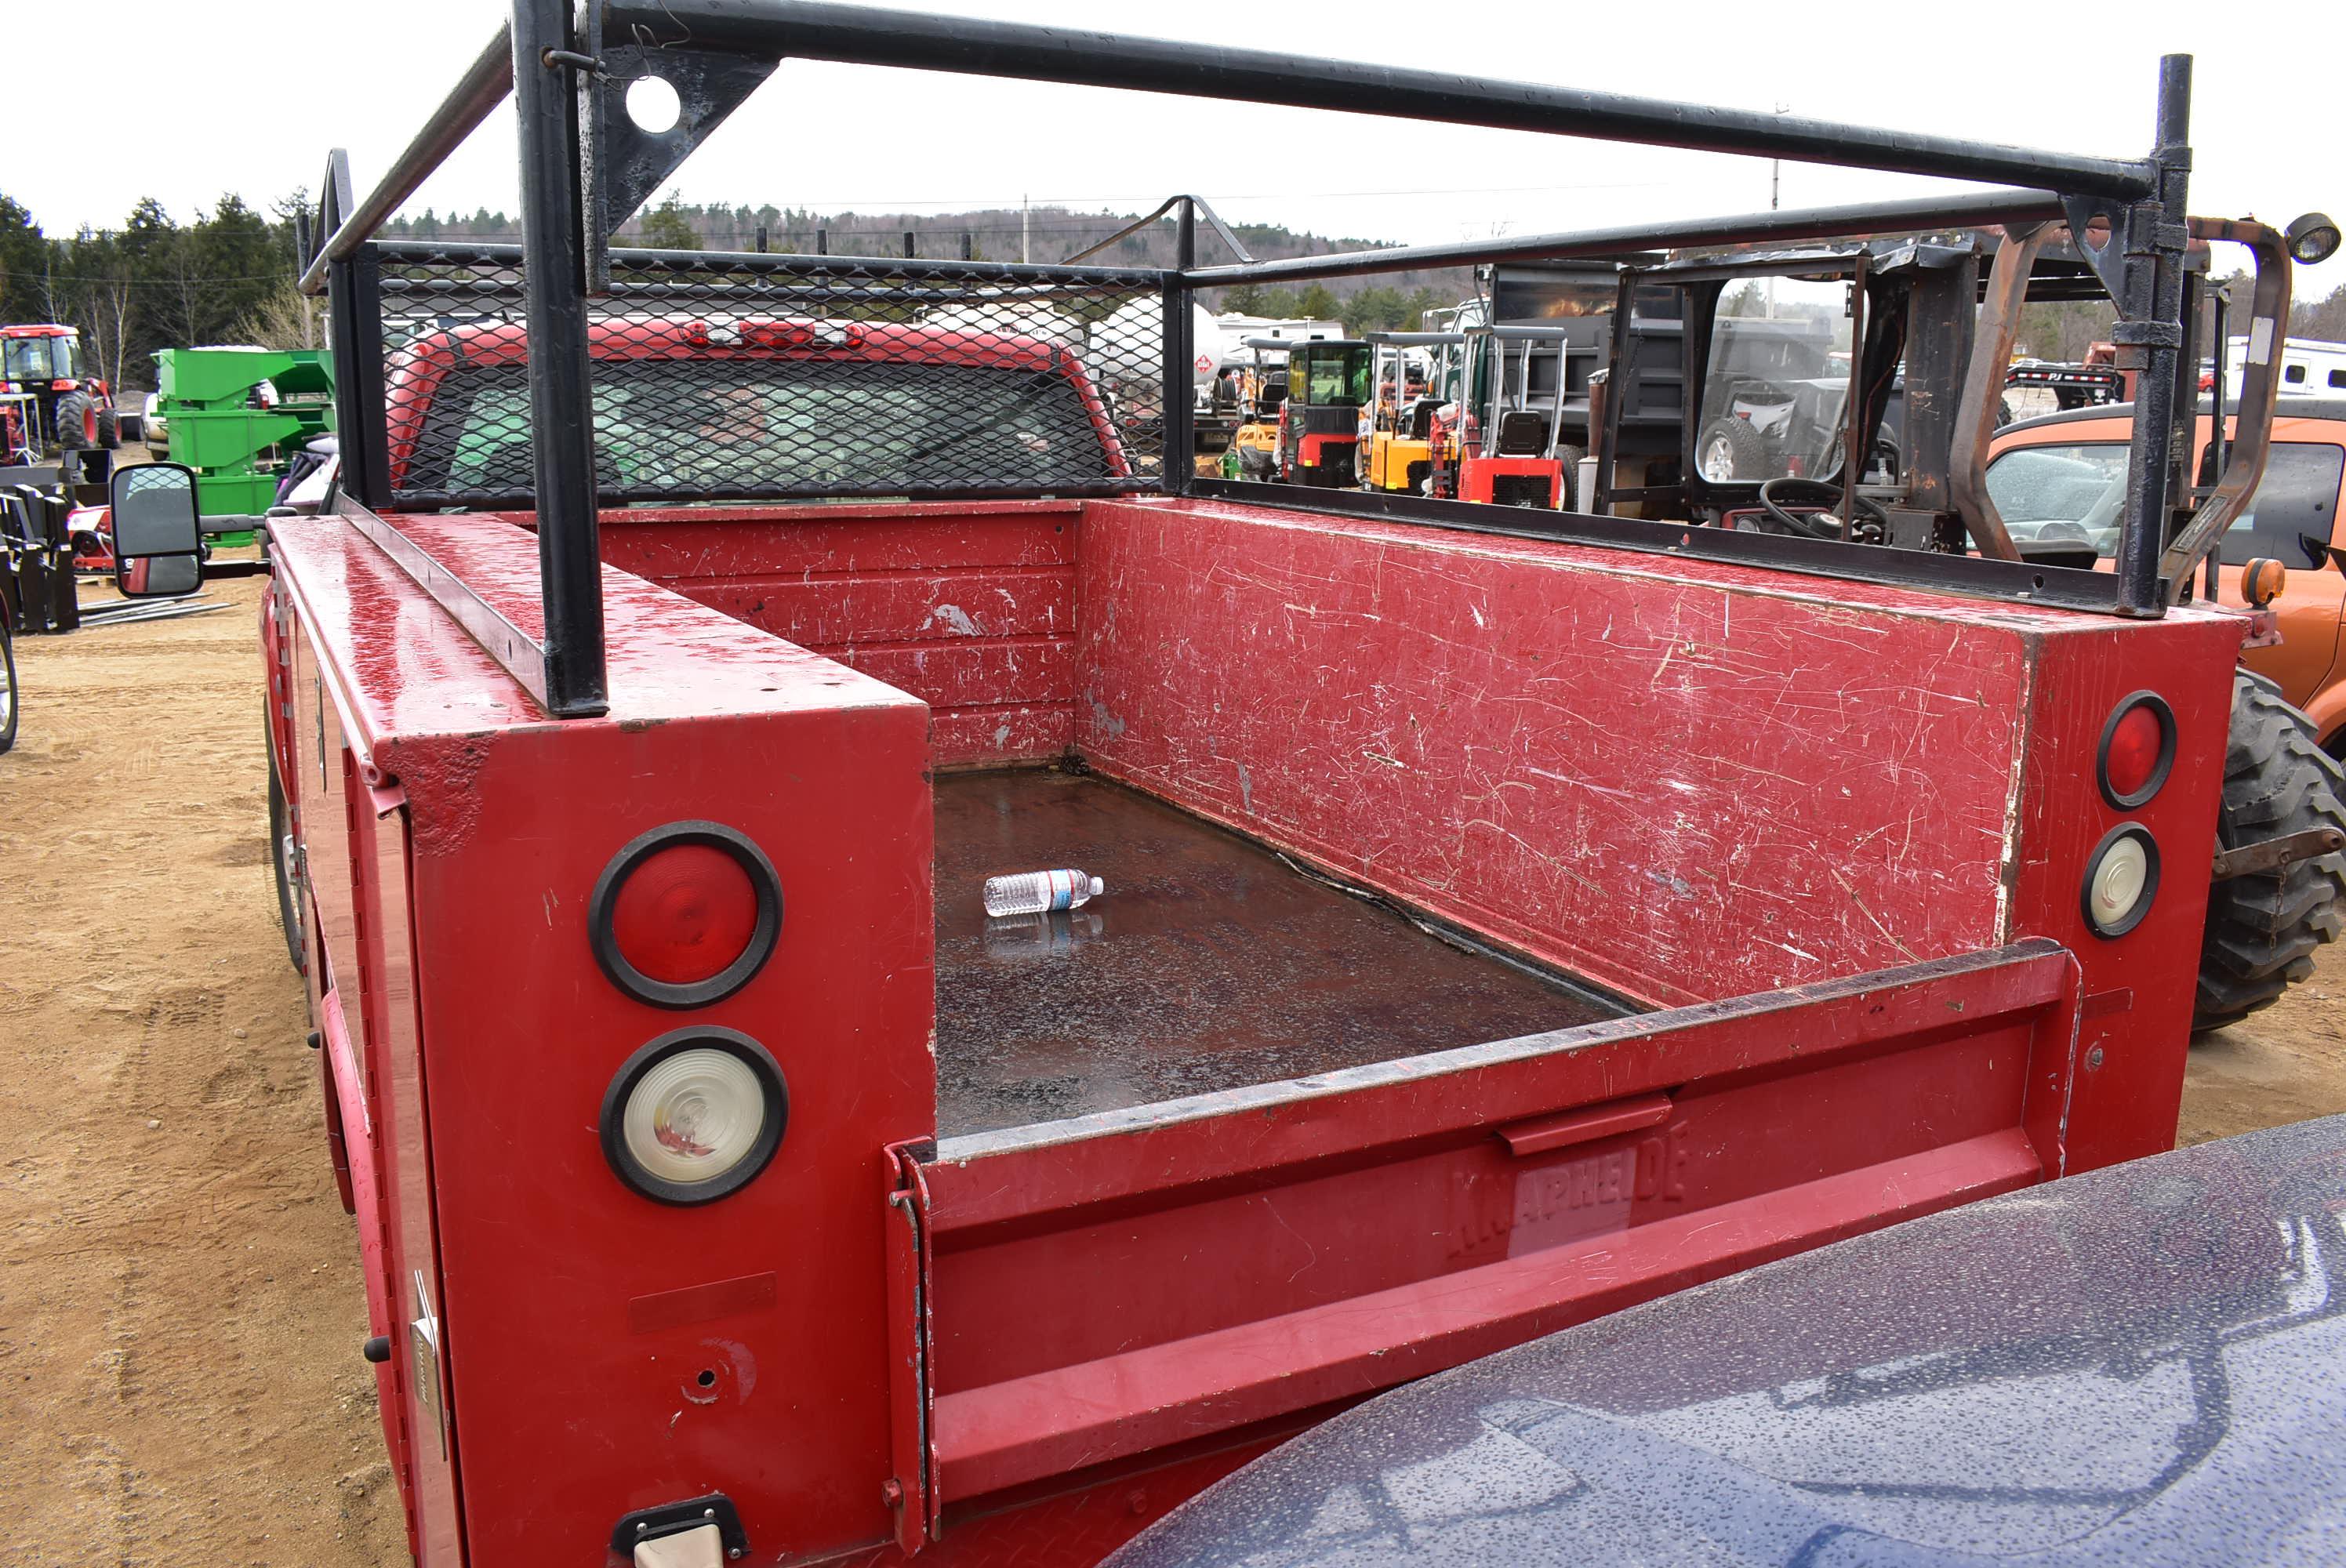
(1855, 425)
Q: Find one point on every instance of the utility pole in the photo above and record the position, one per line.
(1775, 200)
(1776, 171)
(1025, 231)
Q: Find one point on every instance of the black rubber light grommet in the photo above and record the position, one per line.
(770, 1084)
(673, 994)
(2143, 900)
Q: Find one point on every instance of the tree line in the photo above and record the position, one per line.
(226, 276)
(1391, 302)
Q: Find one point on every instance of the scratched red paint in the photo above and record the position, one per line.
(1693, 781)
(1681, 788)
(971, 609)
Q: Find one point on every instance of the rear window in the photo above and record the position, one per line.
(27, 359)
(731, 428)
(2056, 492)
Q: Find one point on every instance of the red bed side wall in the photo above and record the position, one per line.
(1687, 787)
(970, 609)
(2138, 988)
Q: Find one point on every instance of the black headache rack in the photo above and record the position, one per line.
(590, 319)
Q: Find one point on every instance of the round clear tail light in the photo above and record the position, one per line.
(694, 1115)
(2121, 879)
(2137, 751)
(685, 915)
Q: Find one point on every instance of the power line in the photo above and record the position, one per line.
(194, 280)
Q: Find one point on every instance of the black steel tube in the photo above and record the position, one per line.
(354, 310)
(2001, 205)
(1179, 459)
(457, 252)
(859, 35)
(1619, 343)
(480, 89)
(2154, 309)
(561, 418)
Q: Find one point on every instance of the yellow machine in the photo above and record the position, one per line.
(1402, 439)
(1254, 447)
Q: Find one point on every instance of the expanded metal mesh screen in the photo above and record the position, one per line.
(765, 377)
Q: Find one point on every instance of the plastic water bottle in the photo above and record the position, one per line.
(1034, 892)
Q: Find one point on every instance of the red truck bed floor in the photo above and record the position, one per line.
(1209, 964)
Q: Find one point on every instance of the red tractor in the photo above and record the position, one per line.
(74, 407)
(1510, 915)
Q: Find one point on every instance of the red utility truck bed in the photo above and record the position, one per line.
(1065, 1223)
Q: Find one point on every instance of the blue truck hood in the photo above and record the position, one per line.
(2146, 1365)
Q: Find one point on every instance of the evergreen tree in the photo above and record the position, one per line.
(23, 259)
(666, 227)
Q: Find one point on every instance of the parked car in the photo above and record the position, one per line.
(2061, 477)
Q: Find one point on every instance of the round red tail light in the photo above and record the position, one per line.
(685, 915)
(2137, 751)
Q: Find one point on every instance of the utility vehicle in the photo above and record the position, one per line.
(1328, 385)
(1512, 915)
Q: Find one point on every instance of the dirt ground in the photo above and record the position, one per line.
(180, 1310)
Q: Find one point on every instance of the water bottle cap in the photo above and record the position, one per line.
(1098, 887)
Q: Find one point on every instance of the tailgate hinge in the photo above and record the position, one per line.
(911, 1491)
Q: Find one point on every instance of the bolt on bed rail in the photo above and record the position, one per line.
(586, 168)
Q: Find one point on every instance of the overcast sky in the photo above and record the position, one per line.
(248, 95)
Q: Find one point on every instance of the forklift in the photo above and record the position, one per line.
(1253, 451)
(1401, 435)
(1320, 423)
(1495, 446)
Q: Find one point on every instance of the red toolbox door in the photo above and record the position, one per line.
(419, 1328)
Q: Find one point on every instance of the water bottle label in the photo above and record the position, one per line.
(1063, 888)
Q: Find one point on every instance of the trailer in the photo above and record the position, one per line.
(1511, 916)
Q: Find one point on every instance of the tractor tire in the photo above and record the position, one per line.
(2262, 929)
(72, 422)
(1568, 498)
(7, 683)
(280, 856)
(1730, 450)
(110, 430)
